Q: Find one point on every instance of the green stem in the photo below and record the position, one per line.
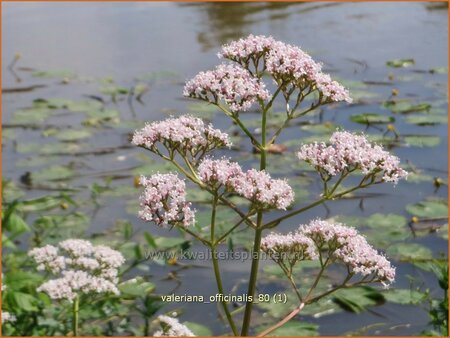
(216, 266)
(258, 236)
(75, 310)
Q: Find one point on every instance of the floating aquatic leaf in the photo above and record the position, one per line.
(371, 118)
(439, 70)
(427, 120)
(429, 208)
(52, 173)
(57, 73)
(31, 115)
(400, 63)
(10, 191)
(385, 221)
(422, 141)
(405, 106)
(321, 128)
(357, 299)
(41, 203)
(409, 252)
(198, 329)
(297, 329)
(72, 134)
(404, 296)
(136, 288)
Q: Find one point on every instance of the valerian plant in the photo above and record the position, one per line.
(187, 142)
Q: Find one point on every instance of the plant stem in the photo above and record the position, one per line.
(75, 310)
(216, 265)
(258, 235)
(283, 321)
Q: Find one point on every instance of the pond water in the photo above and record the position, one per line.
(88, 55)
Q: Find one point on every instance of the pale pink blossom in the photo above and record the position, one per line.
(250, 47)
(331, 89)
(47, 258)
(8, 317)
(229, 83)
(350, 152)
(85, 268)
(258, 187)
(220, 173)
(164, 201)
(347, 245)
(293, 244)
(186, 134)
(171, 327)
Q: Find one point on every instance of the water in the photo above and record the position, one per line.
(126, 41)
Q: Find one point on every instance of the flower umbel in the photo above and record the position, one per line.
(186, 135)
(171, 327)
(164, 201)
(348, 152)
(229, 83)
(85, 269)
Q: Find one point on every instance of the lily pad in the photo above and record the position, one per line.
(52, 173)
(357, 299)
(429, 208)
(404, 296)
(409, 252)
(406, 106)
(427, 120)
(72, 134)
(422, 141)
(31, 115)
(50, 74)
(296, 329)
(400, 63)
(371, 118)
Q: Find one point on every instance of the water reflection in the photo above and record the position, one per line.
(227, 21)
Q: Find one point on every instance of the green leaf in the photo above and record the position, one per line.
(357, 299)
(16, 225)
(427, 120)
(198, 329)
(405, 106)
(136, 288)
(296, 329)
(371, 118)
(72, 135)
(24, 301)
(168, 242)
(31, 115)
(57, 73)
(409, 252)
(385, 221)
(40, 204)
(429, 208)
(404, 296)
(400, 63)
(422, 141)
(52, 173)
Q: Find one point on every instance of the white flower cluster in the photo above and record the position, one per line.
(85, 268)
(171, 327)
(7, 317)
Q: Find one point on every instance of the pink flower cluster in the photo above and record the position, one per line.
(286, 63)
(348, 246)
(343, 243)
(230, 83)
(187, 134)
(171, 327)
(250, 47)
(85, 268)
(256, 186)
(164, 201)
(349, 151)
(294, 245)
